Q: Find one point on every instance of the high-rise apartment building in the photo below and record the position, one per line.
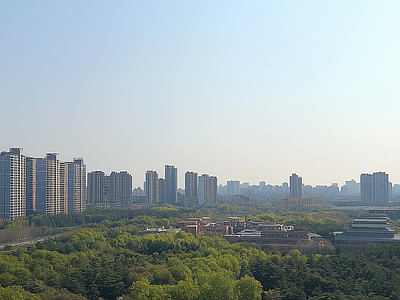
(233, 187)
(96, 189)
(105, 191)
(48, 185)
(161, 191)
(12, 184)
(296, 186)
(62, 204)
(208, 189)
(31, 185)
(77, 185)
(151, 187)
(375, 187)
(378, 190)
(351, 186)
(119, 188)
(191, 189)
(171, 184)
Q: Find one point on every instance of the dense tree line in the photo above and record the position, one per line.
(106, 259)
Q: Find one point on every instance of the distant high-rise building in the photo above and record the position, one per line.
(213, 189)
(119, 188)
(367, 188)
(31, 185)
(381, 190)
(263, 188)
(12, 184)
(77, 186)
(171, 184)
(351, 187)
(375, 187)
(191, 188)
(161, 190)
(208, 187)
(62, 182)
(96, 189)
(48, 185)
(151, 187)
(285, 188)
(296, 186)
(233, 187)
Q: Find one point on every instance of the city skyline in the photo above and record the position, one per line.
(246, 91)
(181, 176)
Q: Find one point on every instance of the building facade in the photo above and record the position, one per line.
(12, 184)
(375, 188)
(119, 188)
(208, 189)
(96, 189)
(296, 186)
(366, 231)
(151, 189)
(171, 184)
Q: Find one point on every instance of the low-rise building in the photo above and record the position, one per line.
(273, 236)
(302, 201)
(363, 232)
(204, 226)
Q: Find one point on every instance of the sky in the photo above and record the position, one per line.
(242, 90)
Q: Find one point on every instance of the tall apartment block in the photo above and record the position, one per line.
(31, 185)
(208, 189)
(375, 188)
(114, 190)
(161, 191)
(171, 184)
(233, 187)
(296, 186)
(191, 188)
(12, 184)
(96, 189)
(77, 185)
(119, 188)
(50, 186)
(151, 187)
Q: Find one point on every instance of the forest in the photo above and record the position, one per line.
(101, 256)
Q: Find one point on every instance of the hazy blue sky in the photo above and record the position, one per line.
(244, 90)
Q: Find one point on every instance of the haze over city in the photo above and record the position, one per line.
(244, 91)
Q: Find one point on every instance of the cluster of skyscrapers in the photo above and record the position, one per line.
(50, 186)
(198, 189)
(40, 185)
(114, 190)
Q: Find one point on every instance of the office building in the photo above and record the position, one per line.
(151, 187)
(296, 186)
(12, 184)
(375, 187)
(171, 184)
